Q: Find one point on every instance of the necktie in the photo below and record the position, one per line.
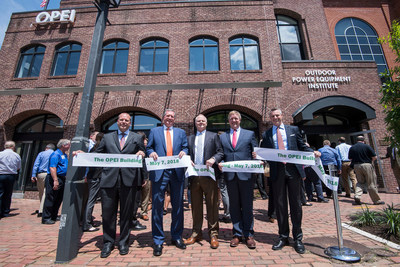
(234, 139)
(169, 143)
(199, 150)
(122, 141)
(281, 145)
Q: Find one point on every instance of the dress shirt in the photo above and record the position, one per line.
(91, 144)
(58, 160)
(283, 133)
(10, 162)
(199, 135)
(329, 156)
(171, 131)
(237, 134)
(343, 150)
(42, 162)
(120, 135)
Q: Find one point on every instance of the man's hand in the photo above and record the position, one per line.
(33, 179)
(254, 154)
(317, 154)
(153, 155)
(144, 182)
(55, 185)
(181, 154)
(220, 166)
(210, 162)
(141, 153)
(77, 152)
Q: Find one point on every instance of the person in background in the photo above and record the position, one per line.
(347, 171)
(329, 156)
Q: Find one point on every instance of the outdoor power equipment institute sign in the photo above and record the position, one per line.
(321, 80)
(56, 16)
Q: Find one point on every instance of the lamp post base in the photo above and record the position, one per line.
(343, 254)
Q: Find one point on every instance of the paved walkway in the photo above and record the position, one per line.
(24, 241)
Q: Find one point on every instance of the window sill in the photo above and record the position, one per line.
(151, 73)
(25, 79)
(62, 76)
(246, 71)
(110, 74)
(204, 72)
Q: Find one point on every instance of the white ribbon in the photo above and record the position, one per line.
(288, 156)
(107, 160)
(253, 166)
(200, 170)
(170, 162)
(331, 182)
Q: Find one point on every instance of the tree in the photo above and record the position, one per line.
(390, 89)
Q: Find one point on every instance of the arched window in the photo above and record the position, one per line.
(154, 56)
(30, 62)
(114, 58)
(245, 54)
(66, 60)
(203, 55)
(289, 38)
(140, 122)
(358, 41)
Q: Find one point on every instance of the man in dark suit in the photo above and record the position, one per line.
(167, 140)
(286, 179)
(119, 184)
(238, 144)
(204, 148)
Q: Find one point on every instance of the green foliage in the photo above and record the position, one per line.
(390, 91)
(392, 219)
(366, 217)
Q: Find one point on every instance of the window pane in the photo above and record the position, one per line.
(148, 44)
(288, 34)
(362, 40)
(143, 122)
(341, 26)
(341, 40)
(52, 123)
(25, 65)
(356, 57)
(364, 26)
(64, 48)
(376, 49)
(351, 40)
(73, 63)
(345, 57)
(107, 61)
(285, 20)
(249, 41)
(359, 31)
(382, 68)
(236, 41)
(197, 42)
(61, 60)
(380, 60)
(365, 49)
(252, 61)
(161, 62)
(161, 43)
(368, 57)
(196, 59)
(237, 61)
(209, 42)
(37, 64)
(343, 49)
(350, 31)
(373, 40)
(110, 46)
(146, 60)
(122, 45)
(121, 62)
(291, 52)
(76, 47)
(211, 58)
(354, 49)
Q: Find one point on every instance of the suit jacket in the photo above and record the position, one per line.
(110, 144)
(294, 142)
(244, 147)
(157, 144)
(211, 148)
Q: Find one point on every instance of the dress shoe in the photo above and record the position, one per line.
(179, 243)
(193, 239)
(50, 221)
(157, 250)
(145, 217)
(323, 200)
(357, 201)
(379, 202)
(123, 250)
(280, 244)
(137, 226)
(250, 242)
(214, 242)
(312, 200)
(92, 229)
(106, 251)
(39, 214)
(235, 241)
(307, 204)
(299, 247)
(347, 195)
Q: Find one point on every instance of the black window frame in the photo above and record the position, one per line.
(154, 48)
(295, 24)
(204, 45)
(67, 62)
(115, 49)
(243, 45)
(24, 53)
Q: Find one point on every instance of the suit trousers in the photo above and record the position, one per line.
(94, 188)
(109, 207)
(145, 201)
(158, 196)
(41, 186)
(224, 196)
(366, 177)
(287, 186)
(53, 198)
(241, 193)
(200, 185)
(348, 173)
(6, 189)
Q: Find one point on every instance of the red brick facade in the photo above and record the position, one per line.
(179, 22)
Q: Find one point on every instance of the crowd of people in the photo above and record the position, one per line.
(127, 194)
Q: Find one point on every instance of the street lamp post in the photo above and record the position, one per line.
(71, 214)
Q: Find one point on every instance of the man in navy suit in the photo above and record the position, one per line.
(163, 141)
(286, 179)
(119, 185)
(238, 144)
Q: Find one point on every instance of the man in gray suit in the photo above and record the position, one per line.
(119, 184)
(238, 144)
(204, 148)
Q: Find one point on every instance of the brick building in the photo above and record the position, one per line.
(317, 60)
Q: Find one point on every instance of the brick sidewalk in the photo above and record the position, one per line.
(24, 241)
